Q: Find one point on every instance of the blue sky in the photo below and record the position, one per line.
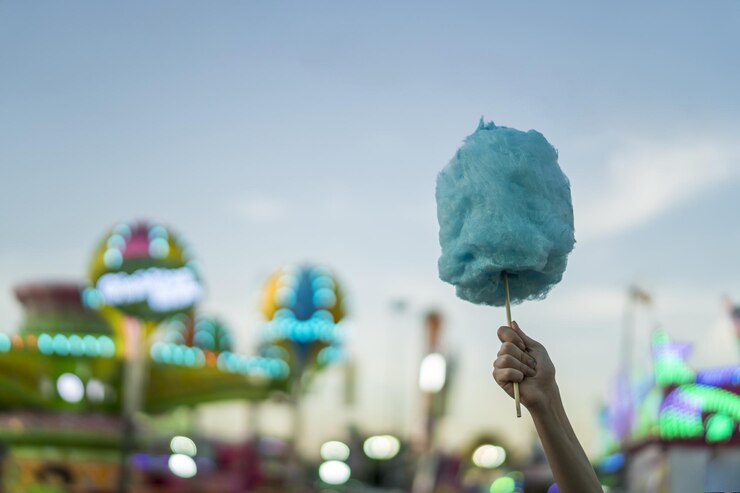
(279, 132)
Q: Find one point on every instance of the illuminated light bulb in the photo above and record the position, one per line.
(106, 346)
(381, 447)
(61, 346)
(205, 339)
(287, 279)
(432, 373)
(90, 345)
(489, 456)
(70, 388)
(91, 298)
(75, 345)
(323, 316)
(113, 258)
(200, 358)
(285, 296)
(45, 344)
(5, 343)
(328, 355)
(116, 241)
(16, 341)
(156, 351)
(324, 298)
(95, 390)
(334, 472)
(122, 229)
(334, 450)
(190, 357)
(286, 369)
(204, 324)
(178, 354)
(157, 231)
(323, 281)
(284, 313)
(182, 466)
(166, 353)
(232, 363)
(159, 248)
(183, 445)
(31, 341)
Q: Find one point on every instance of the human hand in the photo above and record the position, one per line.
(522, 359)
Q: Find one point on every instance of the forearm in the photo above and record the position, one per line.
(570, 466)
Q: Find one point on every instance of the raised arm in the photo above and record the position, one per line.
(524, 360)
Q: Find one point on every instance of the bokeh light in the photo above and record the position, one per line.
(334, 450)
(381, 447)
(183, 445)
(489, 456)
(334, 472)
(720, 427)
(432, 373)
(95, 390)
(504, 484)
(5, 343)
(70, 387)
(182, 465)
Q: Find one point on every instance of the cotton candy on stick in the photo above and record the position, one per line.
(505, 218)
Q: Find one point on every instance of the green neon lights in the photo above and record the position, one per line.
(672, 371)
(681, 416)
(720, 428)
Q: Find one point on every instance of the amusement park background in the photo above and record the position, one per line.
(219, 245)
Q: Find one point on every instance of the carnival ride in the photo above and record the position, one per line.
(89, 357)
(671, 405)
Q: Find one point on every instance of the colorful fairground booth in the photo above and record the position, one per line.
(94, 364)
(674, 430)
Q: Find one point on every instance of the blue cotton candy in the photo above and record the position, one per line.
(503, 204)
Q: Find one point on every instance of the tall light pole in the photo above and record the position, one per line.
(635, 297)
(432, 384)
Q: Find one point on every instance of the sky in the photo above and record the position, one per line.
(280, 132)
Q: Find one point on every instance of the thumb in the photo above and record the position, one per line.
(528, 341)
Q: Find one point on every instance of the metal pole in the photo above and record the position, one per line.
(135, 367)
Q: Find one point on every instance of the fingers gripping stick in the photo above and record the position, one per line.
(508, 321)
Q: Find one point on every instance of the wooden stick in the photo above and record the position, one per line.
(508, 320)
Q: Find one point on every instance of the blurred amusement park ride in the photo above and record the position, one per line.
(671, 427)
(98, 383)
(91, 363)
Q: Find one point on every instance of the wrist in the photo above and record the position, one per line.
(547, 403)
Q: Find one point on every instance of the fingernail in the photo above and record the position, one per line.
(533, 363)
